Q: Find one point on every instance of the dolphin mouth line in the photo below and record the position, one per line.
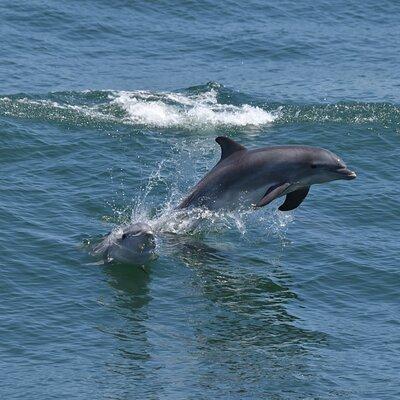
(346, 173)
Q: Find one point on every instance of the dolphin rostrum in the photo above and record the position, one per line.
(244, 178)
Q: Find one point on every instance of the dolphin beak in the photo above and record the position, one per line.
(347, 174)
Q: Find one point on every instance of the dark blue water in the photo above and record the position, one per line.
(108, 113)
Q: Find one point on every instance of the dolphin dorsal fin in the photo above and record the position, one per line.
(228, 146)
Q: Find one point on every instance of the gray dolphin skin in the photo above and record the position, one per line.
(254, 178)
(134, 244)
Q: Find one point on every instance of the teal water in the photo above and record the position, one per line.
(108, 114)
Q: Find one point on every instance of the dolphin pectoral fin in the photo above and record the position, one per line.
(272, 193)
(294, 199)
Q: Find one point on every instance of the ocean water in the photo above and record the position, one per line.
(108, 114)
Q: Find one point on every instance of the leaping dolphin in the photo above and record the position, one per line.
(245, 178)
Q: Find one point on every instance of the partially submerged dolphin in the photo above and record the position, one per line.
(134, 244)
(244, 178)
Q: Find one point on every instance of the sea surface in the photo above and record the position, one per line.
(108, 114)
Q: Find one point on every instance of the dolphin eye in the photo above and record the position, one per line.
(313, 166)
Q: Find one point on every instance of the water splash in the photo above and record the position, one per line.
(194, 221)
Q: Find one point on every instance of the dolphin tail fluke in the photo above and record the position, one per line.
(294, 199)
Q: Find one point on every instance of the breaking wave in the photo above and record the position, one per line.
(194, 108)
(209, 106)
(187, 110)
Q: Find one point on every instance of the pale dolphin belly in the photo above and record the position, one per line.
(234, 198)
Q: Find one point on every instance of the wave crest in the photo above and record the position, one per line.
(193, 110)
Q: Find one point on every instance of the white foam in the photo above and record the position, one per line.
(154, 109)
(176, 109)
(147, 112)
